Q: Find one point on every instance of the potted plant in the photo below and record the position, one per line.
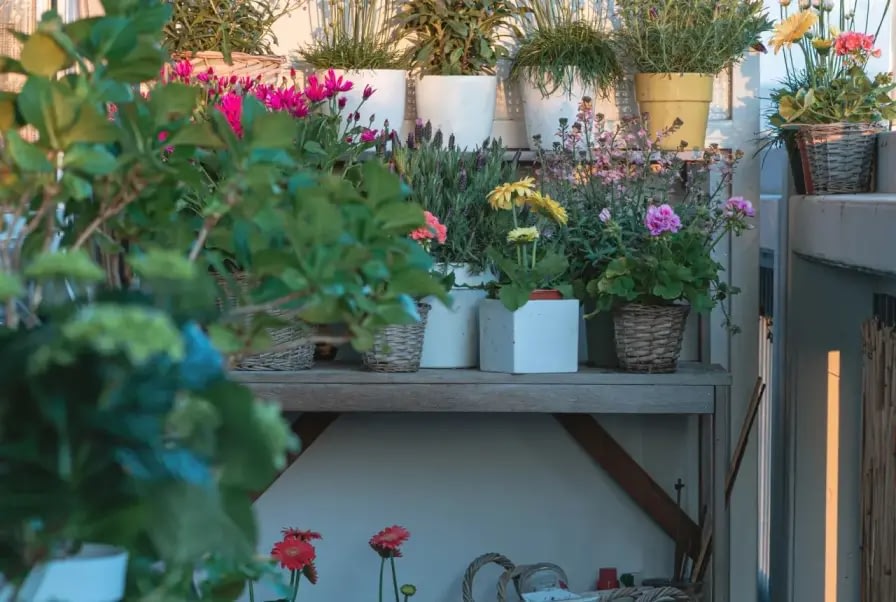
(399, 347)
(565, 53)
(829, 114)
(455, 48)
(451, 183)
(676, 50)
(235, 37)
(529, 324)
(357, 39)
(651, 256)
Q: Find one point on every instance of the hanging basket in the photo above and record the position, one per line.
(648, 337)
(398, 348)
(299, 357)
(838, 158)
(271, 67)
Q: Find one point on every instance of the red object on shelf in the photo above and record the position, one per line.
(545, 294)
(607, 579)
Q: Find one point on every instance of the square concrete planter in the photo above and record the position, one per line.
(542, 337)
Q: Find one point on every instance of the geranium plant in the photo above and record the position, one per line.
(387, 544)
(830, 84)
(533, 263)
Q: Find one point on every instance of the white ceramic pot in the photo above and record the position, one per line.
(463, 105)
(543, 113)
(452, 333)
(540, 337)
(95, 574)
(387, 102)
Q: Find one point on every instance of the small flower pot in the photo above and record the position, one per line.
(648, 337)
(542, 337)
(452, 333)
(462, 105)
(665, 97)
(95, 574)
(543, 113)
(398, 347)
(387, 103)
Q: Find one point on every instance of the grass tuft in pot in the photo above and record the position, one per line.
(354, 35)
(558, 58)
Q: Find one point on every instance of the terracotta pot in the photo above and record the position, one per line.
(545, 294)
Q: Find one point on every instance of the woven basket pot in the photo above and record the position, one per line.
(300, 357)
(838, 158)
(648, 337)
(398, 348)
(270, 68)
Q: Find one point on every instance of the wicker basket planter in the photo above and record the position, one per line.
(838, 158)
(270, 68)
(648, 337)
(398, 348)
(299, 357)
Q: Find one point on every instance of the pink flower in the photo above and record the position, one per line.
(314, 90)
(334, 84)
(604, 215)
(661, 219)
(387, 543)
(738, 206)
(368, 92)
(343, 100)
(856, 44)
(433, 230)
(231, 105)
(183, 70)
(368, 135)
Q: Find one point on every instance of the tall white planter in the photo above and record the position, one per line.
(452, 333)
(463, 105)
(541, 337)
(95, 574)
(387, 102)
(543, 113)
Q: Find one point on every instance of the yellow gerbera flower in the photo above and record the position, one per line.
(549, 208)
(792, 29)
(822, 46)
(502, 197)
(522, 235)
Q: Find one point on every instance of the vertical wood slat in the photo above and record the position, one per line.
(879, 463)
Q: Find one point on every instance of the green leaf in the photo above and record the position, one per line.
(91, 127)
(163, 264)
(42, 55)
(7, 112)
(400, 217)
(275, 129)
(172, 100)
(26, 155)
(74, 265)
(669, 291)
(91, 160)
(11, 286)
(196, 134)
(514, 296)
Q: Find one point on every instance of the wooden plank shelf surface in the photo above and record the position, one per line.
(348, 388)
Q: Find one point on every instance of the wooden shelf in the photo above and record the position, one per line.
(348, 388)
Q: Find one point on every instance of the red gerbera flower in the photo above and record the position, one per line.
(294, 554)
(293, 533)
(387, 543)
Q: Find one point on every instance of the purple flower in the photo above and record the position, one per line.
(604, 215)
(738, 206)
(661, 219)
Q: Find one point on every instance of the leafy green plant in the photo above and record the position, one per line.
(535, 261)
(834, 86)
(564, 44)
(354, 34)
(458, 37)
(699, 36)
(451, 182)
(225, 25)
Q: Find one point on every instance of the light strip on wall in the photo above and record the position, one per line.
(832, 478)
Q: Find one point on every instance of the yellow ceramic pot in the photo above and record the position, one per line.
(665, 97)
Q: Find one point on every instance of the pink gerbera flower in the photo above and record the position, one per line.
(387, 543)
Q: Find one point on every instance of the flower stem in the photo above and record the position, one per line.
(534, 248)
(251, 592)
(382, 568)
(394, 577)
(295, 589)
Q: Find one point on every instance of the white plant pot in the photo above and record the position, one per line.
(463, 105)
(95, 574)
(540, 337)
(386, 103)
(452, 333)
(542, 114)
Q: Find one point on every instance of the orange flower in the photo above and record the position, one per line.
(387, 543)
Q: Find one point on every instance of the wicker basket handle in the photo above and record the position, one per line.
(485, 559)
(645, 594)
